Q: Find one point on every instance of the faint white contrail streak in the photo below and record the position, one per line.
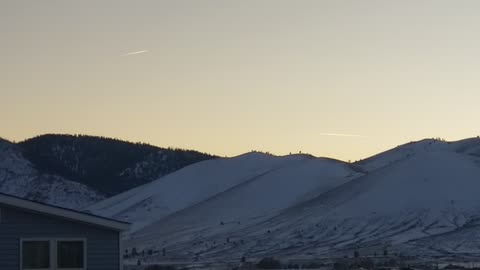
(342, 135)
(136, 52)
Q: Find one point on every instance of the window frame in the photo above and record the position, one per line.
(54, 251)
(83, 240)
(38, 239)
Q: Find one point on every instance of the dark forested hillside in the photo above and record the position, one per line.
(108, 165)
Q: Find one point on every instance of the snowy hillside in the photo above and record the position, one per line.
(18, 177)
(421, 197)
(110, 166)
(418, 198)
(429, 194)
(402, 152)
(76, 171)
(241, 187)
(229, 178)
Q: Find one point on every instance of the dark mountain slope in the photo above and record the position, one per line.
(108, 165)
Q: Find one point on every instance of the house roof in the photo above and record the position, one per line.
(64, 213)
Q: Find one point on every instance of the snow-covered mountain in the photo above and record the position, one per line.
(418, 198)
(239, 188)
(108, 165)
(19, 177)
(421, 197)
(76, 171)
(432, 192)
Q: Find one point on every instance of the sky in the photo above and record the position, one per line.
(341, 79)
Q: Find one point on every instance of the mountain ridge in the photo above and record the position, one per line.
(411, 196)
(417, 198)
(99, 166)
(18, 177)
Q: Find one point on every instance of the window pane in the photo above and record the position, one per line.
(70, 254)
(36, 254)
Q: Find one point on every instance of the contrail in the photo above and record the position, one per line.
(136, 52)
(342, 135)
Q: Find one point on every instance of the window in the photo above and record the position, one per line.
(49, 254)
(70, 254)
(36, 255)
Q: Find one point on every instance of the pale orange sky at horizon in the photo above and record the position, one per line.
(340, 79)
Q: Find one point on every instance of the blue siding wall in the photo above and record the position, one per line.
(102, 244)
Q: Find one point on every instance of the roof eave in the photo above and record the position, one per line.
(64, 213)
